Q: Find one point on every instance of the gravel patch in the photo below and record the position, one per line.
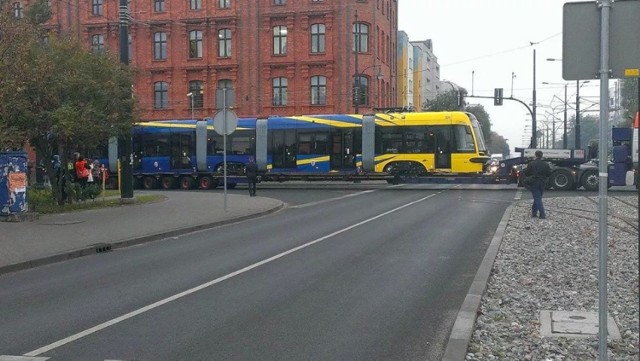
(552, 264)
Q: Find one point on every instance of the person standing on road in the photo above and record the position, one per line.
(251, 172)
(539, 171)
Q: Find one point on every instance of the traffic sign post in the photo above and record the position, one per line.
(225, 122)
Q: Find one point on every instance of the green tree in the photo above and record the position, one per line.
(444, 102)
(57, 95)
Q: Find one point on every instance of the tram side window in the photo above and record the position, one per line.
(313, 143)
(155, 145)
(414, 140)
(463, 139)
(389, 140)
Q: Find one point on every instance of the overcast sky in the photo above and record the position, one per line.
(479, 43)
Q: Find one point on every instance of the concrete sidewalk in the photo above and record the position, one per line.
(53, 238)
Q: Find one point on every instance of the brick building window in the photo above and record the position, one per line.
(360, 37)
(279, 2)
(224, 43)
(318, 90)
(196, 88)
(160, 45)
(224, 4)
(318, 36)
(195, 4)
(160, 95)
(97, 42)
(17, 10)
(279, 40)
(96, 7)
(280, 86)
(223, 84)
(159, 5)
(361, 90)
(195, 44)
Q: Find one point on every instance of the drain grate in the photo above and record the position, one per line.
(103, 247)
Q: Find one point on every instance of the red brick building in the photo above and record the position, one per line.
(285, 57)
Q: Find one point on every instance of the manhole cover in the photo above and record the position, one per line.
(574, 324)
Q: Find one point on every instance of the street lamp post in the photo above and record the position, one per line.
(191, 95)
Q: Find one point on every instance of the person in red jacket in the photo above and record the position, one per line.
(82, 171)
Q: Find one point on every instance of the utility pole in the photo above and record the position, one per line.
(125, 145)
(356, 91)
(534, 136)
(577, 131)
(564, 133)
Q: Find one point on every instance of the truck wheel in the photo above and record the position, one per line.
(169, 183)
(561, 180)
(149, 182)
(590, 180)
(187, 183)
(206, 182)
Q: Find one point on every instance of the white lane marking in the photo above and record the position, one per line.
(177, 296)
(518, 195)
(22, 358)
(311, 204)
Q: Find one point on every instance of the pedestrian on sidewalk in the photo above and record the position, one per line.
(251, 172)
(538, 172)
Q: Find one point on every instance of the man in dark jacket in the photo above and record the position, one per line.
(539, 170)
(252, 176)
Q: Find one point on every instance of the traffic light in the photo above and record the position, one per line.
(497, 96)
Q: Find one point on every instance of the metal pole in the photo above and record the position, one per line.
(603, 180)
(534, 140)
(577, 130)
(357, 89)
(192, 118)
(224, 143)
(564, 133)
(124, 143)
(473, 80)
(513, 75)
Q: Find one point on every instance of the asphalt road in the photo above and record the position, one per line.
(341, 274)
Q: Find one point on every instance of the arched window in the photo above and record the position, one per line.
(196, 89)
(279, 40)
(361, 90)
(280, 86)
(224, 43)
(318, 34)
(195, 44)
(360, 37)
(160, 95)
(160, 46)
(318, 90)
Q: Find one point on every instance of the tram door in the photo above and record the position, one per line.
(181, 148)
(442, 142)
(344, 147)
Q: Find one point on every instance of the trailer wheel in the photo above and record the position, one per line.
(187, 183)
(561, 180)
(169, 182)
(149, 182)
(590, 180)
(206, 182)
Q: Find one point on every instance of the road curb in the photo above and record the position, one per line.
(465, 321)
(98, 248)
